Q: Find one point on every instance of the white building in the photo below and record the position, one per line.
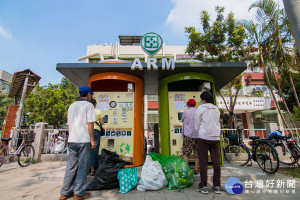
(5, 79)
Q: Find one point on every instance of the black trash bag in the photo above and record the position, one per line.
(106, 176)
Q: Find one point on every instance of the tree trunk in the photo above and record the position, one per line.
(229, 123)
(224, 102)
(270, 87)
(232, 107)
(294, 90)
(282, 97)
(230, 110)
(287, 69)
(230, 120)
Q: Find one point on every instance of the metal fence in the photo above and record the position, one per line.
(55, 141)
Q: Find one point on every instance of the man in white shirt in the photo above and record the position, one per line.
(81, 118)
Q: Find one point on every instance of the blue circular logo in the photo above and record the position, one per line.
(233, 186)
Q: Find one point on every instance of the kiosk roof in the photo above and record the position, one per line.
(79, 73)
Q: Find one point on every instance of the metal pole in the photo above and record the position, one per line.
(292, 8)
(22, 103)
(146, 116)
(14, 134)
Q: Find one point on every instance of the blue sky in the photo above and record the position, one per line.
(38, 34)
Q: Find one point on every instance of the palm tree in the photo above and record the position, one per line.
(258, 35)
(277, 34)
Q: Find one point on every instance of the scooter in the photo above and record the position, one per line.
(60, 145)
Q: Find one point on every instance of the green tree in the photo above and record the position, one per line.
(4, 104)
(223, 41)
(287, 91)
(50, 103)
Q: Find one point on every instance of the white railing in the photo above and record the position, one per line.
(55, 141)
(259, 132)
(254, 132)
(295, 133)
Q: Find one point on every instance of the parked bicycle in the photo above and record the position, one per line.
(261, 151)
(25, 152)
(286, 147)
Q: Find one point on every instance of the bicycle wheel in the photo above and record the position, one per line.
(2, 153)
(266, 157)
(295, 152)
(26, 155)
(284, 156)
(236, 154)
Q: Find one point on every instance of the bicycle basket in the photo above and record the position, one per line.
(232, 137)
(29, 138)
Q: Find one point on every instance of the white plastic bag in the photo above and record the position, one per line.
(152, 176)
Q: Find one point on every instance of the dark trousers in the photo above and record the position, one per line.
(95, 152)
(213, 146)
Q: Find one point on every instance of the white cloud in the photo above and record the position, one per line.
(187, 12)
(5, 33)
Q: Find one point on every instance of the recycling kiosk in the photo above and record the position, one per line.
(120, 97)
(174, 92)
(119, 90)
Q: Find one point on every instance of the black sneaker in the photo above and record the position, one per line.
(217, 189)
(203, 190)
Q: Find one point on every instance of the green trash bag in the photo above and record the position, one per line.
(127, 179)
(177, 171)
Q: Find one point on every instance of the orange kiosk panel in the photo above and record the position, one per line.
(120, 98)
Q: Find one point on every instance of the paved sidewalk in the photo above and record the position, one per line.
(44, 181)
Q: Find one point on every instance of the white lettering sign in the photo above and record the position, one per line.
(151, 61)
(136, 63)
(166, 65)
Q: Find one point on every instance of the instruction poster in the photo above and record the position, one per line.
(179, 101)
(103, 102)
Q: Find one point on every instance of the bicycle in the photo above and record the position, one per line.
(287, 148)
(261, 152)
(25, 151)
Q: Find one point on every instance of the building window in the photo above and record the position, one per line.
(238, 120)
(153, 118)
(152, 97)
(263, 117)
(93, 60)
(264, 88)
(258, 88)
